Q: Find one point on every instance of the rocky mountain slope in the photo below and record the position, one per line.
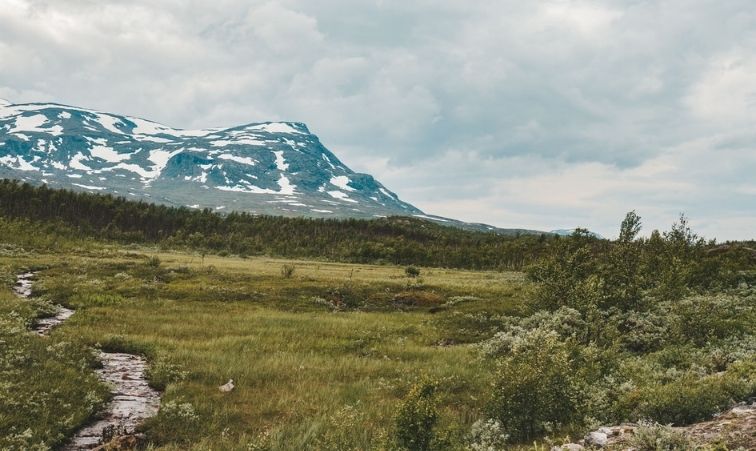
(275, 168)
(267, 168)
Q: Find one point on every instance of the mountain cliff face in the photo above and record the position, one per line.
(277, 168)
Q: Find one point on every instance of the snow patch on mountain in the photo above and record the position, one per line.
(342, 182)
(276, 127)
(95, 188)
(29, 124)
(160, 159)
(386, 193)
(287, 188)
(76, 162)
(340, 195)
(17, 163)
(108, 154)
(281, 164)
(144, 174)
(145, 127)
(109, 123)
(432, 218)
(242, 160)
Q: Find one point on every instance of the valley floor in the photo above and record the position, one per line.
(320, 357)
(335, 356)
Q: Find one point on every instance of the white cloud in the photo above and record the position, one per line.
(587, 18)
(726, 91)
(550, 113)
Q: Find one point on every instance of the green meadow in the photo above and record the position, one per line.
(320, 358)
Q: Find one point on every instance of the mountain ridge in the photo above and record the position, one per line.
(272, 168)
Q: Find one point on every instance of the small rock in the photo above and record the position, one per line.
(227, 387)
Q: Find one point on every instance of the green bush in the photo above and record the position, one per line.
(162, 372)
(642, 331)
(176, 421)
(689, 398)
(701, 319)
(535, 386)
(416, 418)
(412, 271)
(656, 437)
(487, 435)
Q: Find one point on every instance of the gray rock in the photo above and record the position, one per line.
(597, 438)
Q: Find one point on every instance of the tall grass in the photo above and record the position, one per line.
(306, 376)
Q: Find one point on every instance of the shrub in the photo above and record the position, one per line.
(641, 331)
(567, 277)
(287, 270)
(701, 319)
(487, 435)
(656, 437)
(534, 386)
(565, 323)
(176, 421)
(153, 262)
(416, 418)
(689, 398)
(162, 372)
(412, 271)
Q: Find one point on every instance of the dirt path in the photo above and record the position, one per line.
(43, 325)
(133, 400)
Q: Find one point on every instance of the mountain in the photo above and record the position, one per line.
(275, 168)
(267, 168)
(568, 232)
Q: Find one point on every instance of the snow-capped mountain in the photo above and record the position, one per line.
(266, 168)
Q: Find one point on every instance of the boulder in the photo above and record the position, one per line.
(597, 438)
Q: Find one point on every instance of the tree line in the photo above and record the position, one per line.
(395, 240)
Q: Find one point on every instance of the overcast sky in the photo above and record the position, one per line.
(537, 114)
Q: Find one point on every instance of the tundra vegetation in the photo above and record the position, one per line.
(330, 353)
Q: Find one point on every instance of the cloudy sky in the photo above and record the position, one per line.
(539, 114)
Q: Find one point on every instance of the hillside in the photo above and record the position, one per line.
(399, 240)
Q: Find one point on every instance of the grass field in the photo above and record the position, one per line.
(320, 357)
